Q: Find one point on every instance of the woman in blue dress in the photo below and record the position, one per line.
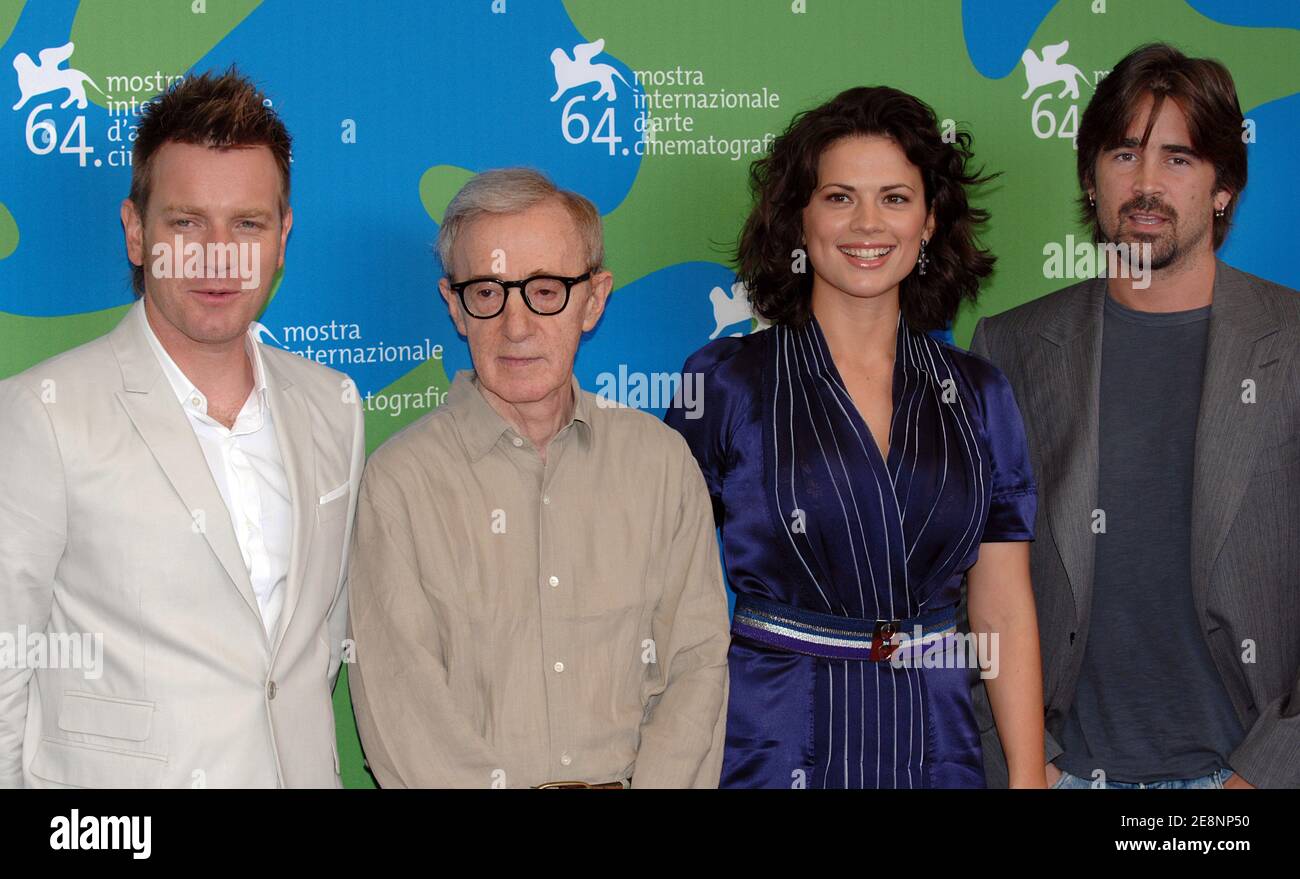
(863, 472)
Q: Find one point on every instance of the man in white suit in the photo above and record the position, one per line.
(180, 494)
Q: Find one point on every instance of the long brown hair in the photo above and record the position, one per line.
(1201, 87)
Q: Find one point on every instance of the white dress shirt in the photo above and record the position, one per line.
(246, 465)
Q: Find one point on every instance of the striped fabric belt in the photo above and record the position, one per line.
(796, 630)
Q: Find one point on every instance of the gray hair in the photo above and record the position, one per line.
(512, 191)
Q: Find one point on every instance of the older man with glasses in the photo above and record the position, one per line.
(537, 599)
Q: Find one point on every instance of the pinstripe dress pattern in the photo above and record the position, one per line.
(815, 519)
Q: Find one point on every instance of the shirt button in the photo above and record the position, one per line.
(195, 401)
(517, 442)
(546, 498)
(559, 666)
(270, 690)
(566, 759)
(554, 581)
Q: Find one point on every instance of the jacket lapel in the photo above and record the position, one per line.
(293, 434)
(163, 425)
(1066, 365)
(1244, 346)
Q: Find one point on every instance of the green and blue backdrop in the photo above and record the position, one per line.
(652, 108)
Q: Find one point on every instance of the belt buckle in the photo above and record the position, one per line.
(563, 785)
(882, 643)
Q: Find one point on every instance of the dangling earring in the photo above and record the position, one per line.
(1092, 202)
(923, 260)
(1218, 212)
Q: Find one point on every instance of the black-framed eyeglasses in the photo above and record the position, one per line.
(543, 294)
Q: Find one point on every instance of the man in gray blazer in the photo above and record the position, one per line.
(1162, 405)
(176, 498)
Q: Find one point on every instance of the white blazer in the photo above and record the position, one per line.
(111, 527)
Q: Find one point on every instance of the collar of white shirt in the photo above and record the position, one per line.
(252, 413)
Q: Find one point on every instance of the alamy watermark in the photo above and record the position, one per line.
(1085, 259)
(651, 390)
(215, 260)
(21, 649)
(951, 650)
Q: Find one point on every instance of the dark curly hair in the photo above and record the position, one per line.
(783, 181)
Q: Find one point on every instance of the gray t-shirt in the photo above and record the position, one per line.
(1150, 705)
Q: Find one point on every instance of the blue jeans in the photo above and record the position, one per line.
(1213, 780)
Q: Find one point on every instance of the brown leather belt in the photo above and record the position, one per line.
(583, 785)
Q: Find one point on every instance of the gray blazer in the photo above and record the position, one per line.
(1245, 503)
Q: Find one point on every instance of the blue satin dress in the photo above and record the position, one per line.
(780, 442)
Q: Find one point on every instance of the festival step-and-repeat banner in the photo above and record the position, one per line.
(654, 109)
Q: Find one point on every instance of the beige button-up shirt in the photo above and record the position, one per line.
(518, 622)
